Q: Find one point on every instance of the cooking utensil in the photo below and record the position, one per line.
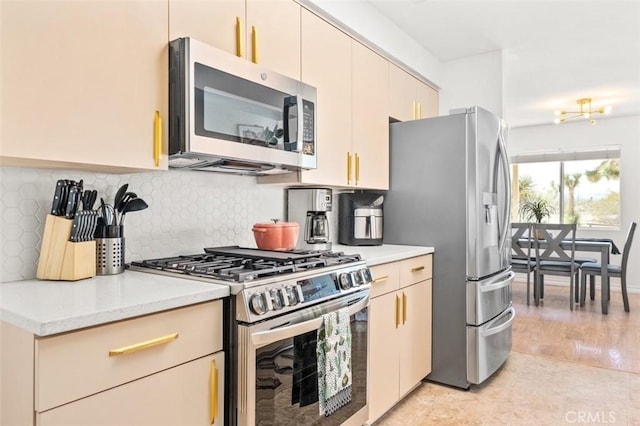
(128, 196)
(89, 199)
(133, 205)
(73, 198)
(118, 198)
(281, 236)
(57, 206)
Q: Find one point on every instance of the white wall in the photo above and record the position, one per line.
(625, 132)
(475, 80)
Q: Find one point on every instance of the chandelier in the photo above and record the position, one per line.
(585, 111)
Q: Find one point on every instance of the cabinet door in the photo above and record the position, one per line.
(81, 82)
(402, 94)
(427, 99)
(370, 84)
(211, 22)
(276, 24)
(326, 64)
(415, 335)
(190, 394)
(383, 354)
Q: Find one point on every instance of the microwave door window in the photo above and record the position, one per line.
(234, 109)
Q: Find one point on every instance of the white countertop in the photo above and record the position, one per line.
(375, 255)
(50, 307)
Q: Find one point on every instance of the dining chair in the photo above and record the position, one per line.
(620, 271)
(521, 260)
(555, 252)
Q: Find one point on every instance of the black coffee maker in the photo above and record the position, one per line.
(360, 221)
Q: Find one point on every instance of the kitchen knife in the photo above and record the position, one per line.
(56, 205)
(73, 197)
(75, 229)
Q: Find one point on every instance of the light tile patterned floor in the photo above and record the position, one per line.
(566, 368)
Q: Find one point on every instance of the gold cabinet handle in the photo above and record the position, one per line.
(417, 269)
(348, 168)
(381, 279)
(157, 139)
(357, 169)
(254, 40)
(239, 38)
(125, 350)
(413, 110)
(213, 405)
(398, 311)
(419, 114)
(404, 307)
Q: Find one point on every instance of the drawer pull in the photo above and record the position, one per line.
(239, 38)
(398, 311)
(417, 269)
(381, 279)
(125, 350)
(214, 392)
(157, 139)
(404, 308)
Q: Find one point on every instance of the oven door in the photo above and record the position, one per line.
(277, 377)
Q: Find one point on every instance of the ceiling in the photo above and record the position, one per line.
(554, 52)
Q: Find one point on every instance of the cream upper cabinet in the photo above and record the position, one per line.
(352, 121)
(326, 65)
(82, 82)
(370, 141)
(262, 31)
(400, 331)
(409, 98)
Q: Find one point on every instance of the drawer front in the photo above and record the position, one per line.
(415, 270)
(183, 395)
(386, 278)
(81, 363)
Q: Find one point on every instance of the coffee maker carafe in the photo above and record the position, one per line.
(311, 207)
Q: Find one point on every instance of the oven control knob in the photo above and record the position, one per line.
(366, 275)
(276, 299)
(346, 281)
(292, 295)
(357, 279)
(258, 304)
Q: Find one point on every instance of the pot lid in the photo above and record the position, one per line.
(277, 224)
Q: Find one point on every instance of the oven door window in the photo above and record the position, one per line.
(287, 379)
(234, 109)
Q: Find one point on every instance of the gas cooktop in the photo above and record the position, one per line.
(242, 265)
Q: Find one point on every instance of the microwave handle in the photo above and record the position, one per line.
(267, 337)
(293, 123)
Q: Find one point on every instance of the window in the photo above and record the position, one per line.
(581, 187)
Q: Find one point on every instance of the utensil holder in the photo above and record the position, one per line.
(61, 259)
(109, 256)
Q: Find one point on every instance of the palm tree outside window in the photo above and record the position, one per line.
(581, 191)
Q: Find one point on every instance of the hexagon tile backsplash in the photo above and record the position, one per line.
(187, 211)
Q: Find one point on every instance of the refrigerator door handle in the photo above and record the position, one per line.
(507, 183)
(494, 330)
(506, 282)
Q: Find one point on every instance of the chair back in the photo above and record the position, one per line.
(549, 238)
(627, 246)
(520, 232)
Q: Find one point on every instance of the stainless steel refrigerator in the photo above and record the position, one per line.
(450, 188)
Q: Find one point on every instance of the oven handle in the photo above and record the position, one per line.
(267, 337)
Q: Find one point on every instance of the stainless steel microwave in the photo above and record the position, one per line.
(230, 115)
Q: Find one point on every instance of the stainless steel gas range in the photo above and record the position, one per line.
(278, 303)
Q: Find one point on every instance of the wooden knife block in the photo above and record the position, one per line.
(61, 259)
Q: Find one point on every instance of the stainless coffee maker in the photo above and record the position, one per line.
(311, 207)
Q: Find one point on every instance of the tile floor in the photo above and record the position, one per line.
(566, 368)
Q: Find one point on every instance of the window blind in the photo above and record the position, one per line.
(594, 153)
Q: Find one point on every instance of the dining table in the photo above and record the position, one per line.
(599, 245)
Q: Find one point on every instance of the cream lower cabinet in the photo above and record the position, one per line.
(400, 331)
(161, 369)
(84, 84)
